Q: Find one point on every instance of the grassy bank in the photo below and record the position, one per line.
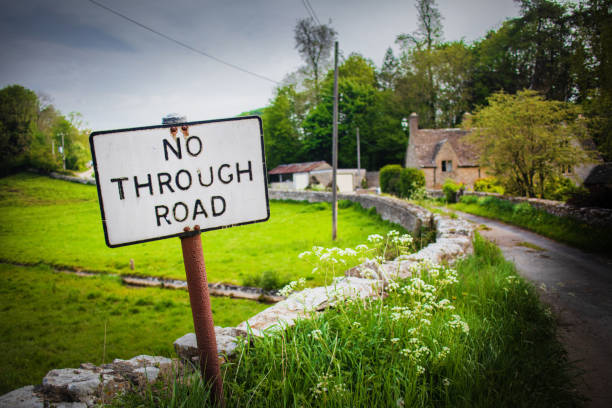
(477, 337)
(58, 223)
(54, 320)
(562, 229)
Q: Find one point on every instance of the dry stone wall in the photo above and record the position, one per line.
(601, 217)
(410, 216)
(90, 385)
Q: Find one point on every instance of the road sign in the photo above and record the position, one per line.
(160, 181)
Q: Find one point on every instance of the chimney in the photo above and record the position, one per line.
(414, 123)
(410, 160)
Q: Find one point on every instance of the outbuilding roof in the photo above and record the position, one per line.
(300, 167)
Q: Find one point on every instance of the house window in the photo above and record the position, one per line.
(447, 165)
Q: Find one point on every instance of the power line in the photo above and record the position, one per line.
(182, 44)
(311, 11)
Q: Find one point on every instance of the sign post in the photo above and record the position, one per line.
(199, 298)
(158, 182)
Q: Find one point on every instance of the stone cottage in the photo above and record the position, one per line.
(442, 154)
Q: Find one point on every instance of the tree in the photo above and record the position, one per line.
(282, 128)
(18, 114)
(418, 48)
(592, 68)
(388, 75)
(527, 141)
(532, 51)
(314, 42)
(363, 105)
(430, 30)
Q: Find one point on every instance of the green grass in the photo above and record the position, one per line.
(562, 229)
(58, 223)
(357, 354)
(53, 320)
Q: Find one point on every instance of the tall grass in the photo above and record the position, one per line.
(474, 337)
(563, 229)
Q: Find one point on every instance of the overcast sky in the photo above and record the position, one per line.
(119, 75)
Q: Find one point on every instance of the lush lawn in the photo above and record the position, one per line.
(562, 229)
(53, 320)
(475, 338)
(58, 223)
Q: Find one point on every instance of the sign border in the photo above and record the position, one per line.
(186, 233)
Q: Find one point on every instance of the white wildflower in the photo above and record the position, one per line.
(375, 238)
(316, 334)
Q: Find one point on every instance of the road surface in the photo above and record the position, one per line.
(578, 287)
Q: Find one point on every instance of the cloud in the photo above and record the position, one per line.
(43, 24)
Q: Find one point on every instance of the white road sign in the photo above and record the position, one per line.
(154, 182)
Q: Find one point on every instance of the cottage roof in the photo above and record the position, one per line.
(601, 174)
(299, 167)
(428, 143)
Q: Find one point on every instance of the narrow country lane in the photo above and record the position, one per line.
(578, 286)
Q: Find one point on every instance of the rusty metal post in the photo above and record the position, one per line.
(197, 284)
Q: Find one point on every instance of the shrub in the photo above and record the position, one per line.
(489, 185)
(562, 189)
(451, 188)
(390, 179)
(411, 179)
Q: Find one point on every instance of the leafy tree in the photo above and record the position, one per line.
(526, 141)
(30, 128)
(430, 30)
(282, 128)
(18, 114)
(528, 52)
(592, 68)
(389, 71)
(363, 105)
(314, 42)
(419, 46)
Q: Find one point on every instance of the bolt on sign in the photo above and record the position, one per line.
(157, 182)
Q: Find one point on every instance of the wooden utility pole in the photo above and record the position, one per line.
(358, 157)
(63, 153)
(335, 148)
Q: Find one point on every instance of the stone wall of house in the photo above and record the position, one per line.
(90, 385)
(434, 178)
(601, 217)
(373, 178)
(409, 216)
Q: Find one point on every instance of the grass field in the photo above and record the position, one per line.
(477, 338)
(58, 223)
(52, 320)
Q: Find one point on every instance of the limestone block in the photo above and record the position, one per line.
(187, 348)
(141, 369)
(310, 300)
(446, 227)
(24, 397)
(71, 384)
